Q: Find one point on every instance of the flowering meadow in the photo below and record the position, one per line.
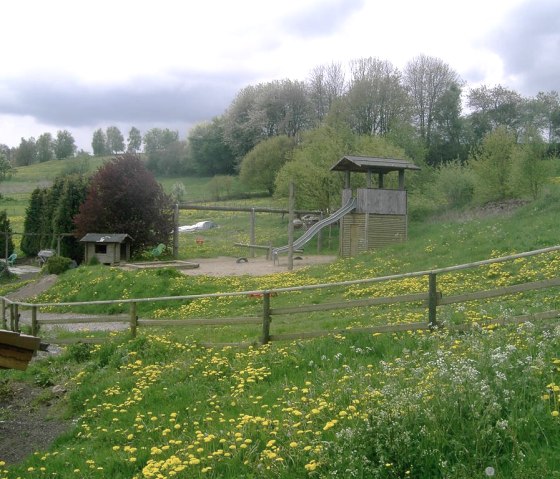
(454, 404)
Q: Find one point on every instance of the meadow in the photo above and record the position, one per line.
(479, 403)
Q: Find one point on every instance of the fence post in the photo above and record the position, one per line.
(266, 318)
(16, 317)
(133, 319)
(432, 301)
(3, 313)
(34, 323)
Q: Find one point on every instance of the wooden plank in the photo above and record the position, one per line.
(13, 363)
(388, 328)
(493, 293)
(88, 319)
(245, 344)
(24, 341)
(16, 353)
(407, 298)
(200, 322)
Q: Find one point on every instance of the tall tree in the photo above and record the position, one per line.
(207, 151)
(26, 153)
(326, 84)
(134, 141)
(5, 227)
(45, 147)
(495, 107)
(427, 79)
(71, 197)
(64, 145)
(99, 142)
(31, 241)
(5, 167)
(124, 197)
(166, 153)
(115, 140)
(376, 98)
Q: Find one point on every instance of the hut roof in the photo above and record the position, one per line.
(364, 164)
(105, 238)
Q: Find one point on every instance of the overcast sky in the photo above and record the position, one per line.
(82, 65)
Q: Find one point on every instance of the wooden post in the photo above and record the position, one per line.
(58, 239)
(34, 323)
(320, 236)
(6, 253)
(133, 320)
(3, 313)
(291, 227)
(16, 317)
(252, 238)
(432, 301)
(176, 232)
(266, 318)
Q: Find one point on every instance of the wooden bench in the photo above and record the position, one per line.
(16, 349)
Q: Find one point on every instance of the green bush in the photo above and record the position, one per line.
(58, 265)
(456, 183)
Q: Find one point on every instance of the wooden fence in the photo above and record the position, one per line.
(430, 299)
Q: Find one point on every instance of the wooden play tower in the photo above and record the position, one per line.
(380, 215)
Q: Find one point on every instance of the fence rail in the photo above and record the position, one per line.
(431, 300)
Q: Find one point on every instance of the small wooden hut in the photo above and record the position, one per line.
(380, 216)
(110, 249)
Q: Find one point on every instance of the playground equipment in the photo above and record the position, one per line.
(313, 230)
(372, 218)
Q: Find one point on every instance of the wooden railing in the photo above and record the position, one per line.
(430, 299)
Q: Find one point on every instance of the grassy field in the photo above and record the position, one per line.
(483, 403)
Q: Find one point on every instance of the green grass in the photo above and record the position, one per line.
(418, 405)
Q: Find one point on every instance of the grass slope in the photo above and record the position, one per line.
(421, 405)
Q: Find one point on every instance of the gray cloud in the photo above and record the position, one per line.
(529, 45)
(323, 18)
(185, 98)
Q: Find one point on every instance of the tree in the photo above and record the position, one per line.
(261, 165)
(72, 195)
(530, 169)
(31, 241)
(124, 197)
(427, 79)
(495, 107)
(99, 142)
(64, 145)
(45, 148)
(326, 84)
(115, 140)
(166, 154)
(376, 99)
(26, 153)
(5, 167)
(493, 166)
(207, 151)
(134, 141)
(5, 227)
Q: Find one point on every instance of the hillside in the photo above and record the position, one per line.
(439, 404)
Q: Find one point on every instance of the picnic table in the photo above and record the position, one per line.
(44, 255)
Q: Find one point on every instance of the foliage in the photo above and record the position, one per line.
(26, 153)
(6, 168)
(530, 167)
(220, 187)
(44, 147)
(124, 197)
(5, 227)
(456, 183)
(134, 140)
(64, 145)
(207, 152)
(178, 192)
(166, 154)
(316, 186)
(58, 265)
(49, 215)
(115, 140)
(493, 166)
(99, 142)
(261, 165)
